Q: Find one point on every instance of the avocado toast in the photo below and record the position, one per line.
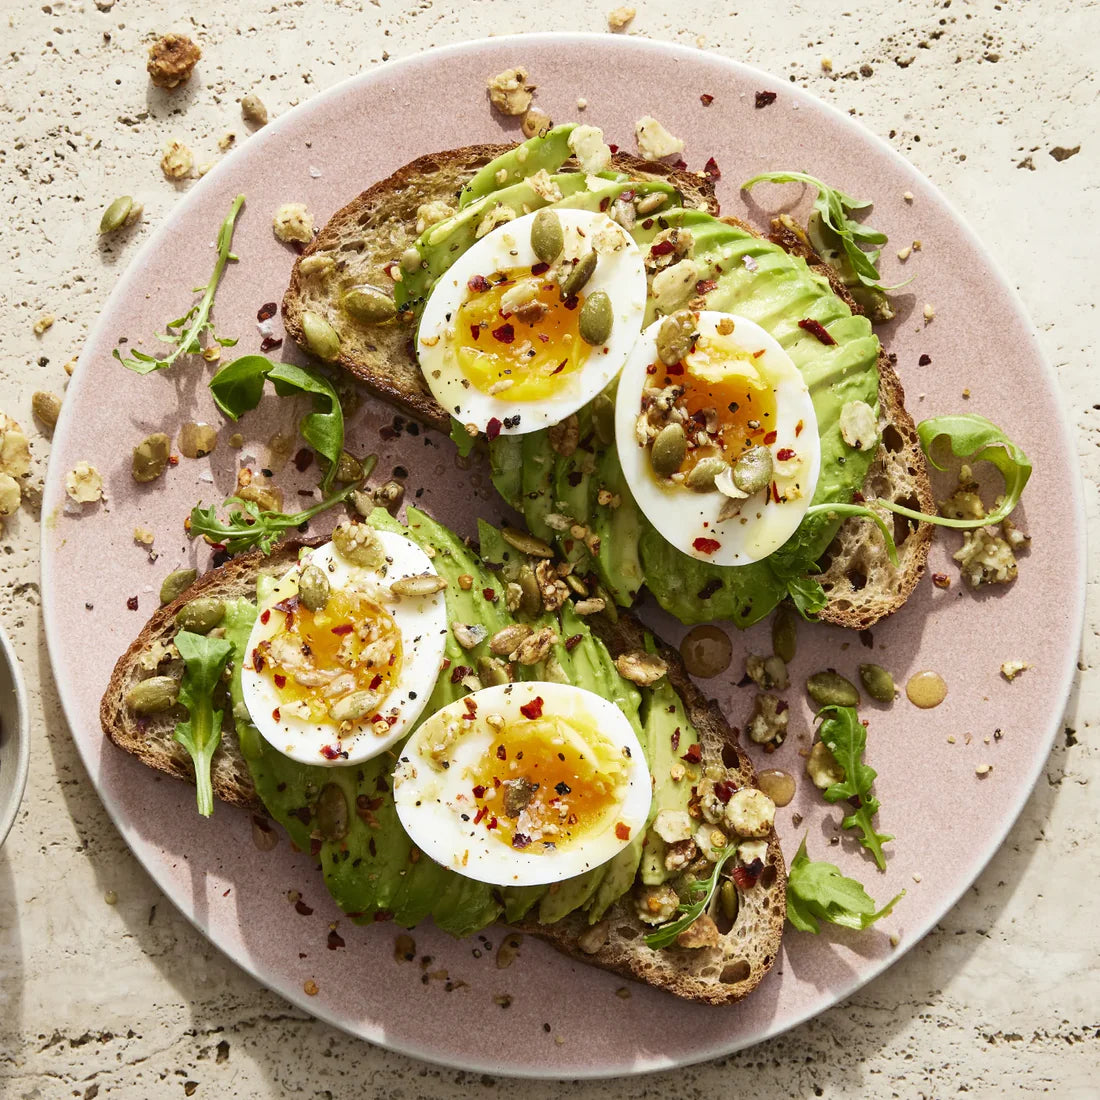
(346, 815)
(367, 273)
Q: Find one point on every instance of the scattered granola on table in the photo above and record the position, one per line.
(172, 59)
(177, 161)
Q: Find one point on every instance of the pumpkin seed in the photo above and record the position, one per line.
(421, 584)
(640, 667)
(331, 812)
(354, 706)
(576, 279)
(785, 633)
(114, 217)
(348, 469)
(830, 689)
(530, 600)
(878, 682)
(753, 470)
(176, 583)
(596, 318)
(201, 615)
(389, 495)
(151, 457)
(675, 337)
(547, 236)
(727, 899)
(153, 695)
(668, 450)
(492, 671)
(46, 407)
(702, 475)
(313, 588)
(368, 305)
(647, 204)
(603, 419)
(507, 639)
(197, 440)
(320, 336)
(526, 544)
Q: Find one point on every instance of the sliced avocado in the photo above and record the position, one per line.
(538, 474)
(506, 467)
(562, 898)
(619, 530)
(618, 878)
(547, 153)
(518, 901)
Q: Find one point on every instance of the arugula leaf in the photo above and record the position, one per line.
(807, 595)
(833, 206)
(462, 438)
(817, 891)
(185, 333)
(239, 385)
(842, 511)
(248, 527)
(846, 738)
(701, 891)
(204, 660)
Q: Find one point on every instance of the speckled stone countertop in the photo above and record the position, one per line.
(996, 102)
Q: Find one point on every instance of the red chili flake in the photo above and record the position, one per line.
(858, 497)
(605, 202)
(540, 268)
(661, 248)
(572, 642)
(492, 823)
(706, 99)
(280, 680)
(775, 492)
(924, 360)
(492, 429)
(706, 546)
(302, 459)
(705, 286)
(675, 369)
(694, 755)
(559, 368)
(622, 831)
(505, 334)
(520, 840)
(614, 149)
(489, 594)
(651, 369)
(480, 814)
(532, 709)
(680, 163)
(765, 99)
(770, 437)
(479, 791)
(258, 661)
(173, 460)
(270, 343)
(471, 707)
(335, 940)
(375, 681)
(784, 454)
(459, 673)
(757, 354)
(381, 915)
(287, 606)
(343, 628)
(724, 790)
(477, 283)
(275, 714)
(675, 739)
(330, 752)
(132, 603)
(502, 752)
(746, 875)
(571, 302)
(798, 429)
(475, 332)
(817, 329)
(711, 170)
(266, 311)
(941, 580)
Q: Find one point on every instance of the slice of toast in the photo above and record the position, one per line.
(716, 975)
(364, 237)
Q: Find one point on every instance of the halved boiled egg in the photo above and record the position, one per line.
(509, 343)
(523, 784)
(717, 436)
(338, 665)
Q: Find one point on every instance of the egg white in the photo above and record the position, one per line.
(680, 515)
(621, 274)
(432, 802)
(422, 622)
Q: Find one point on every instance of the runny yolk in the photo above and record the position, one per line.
(538, 791)
(317, 658)
(515, 338)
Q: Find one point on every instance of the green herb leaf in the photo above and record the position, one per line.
(807, 595)
(248, 527)
(817, 891)
(701, 891)
(185, 333)
(462, 438)
(204, 660)
(239, 385)
(846, 738)
(843, 511)
(834, 206)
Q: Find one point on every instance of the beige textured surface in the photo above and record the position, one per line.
(127, 1000)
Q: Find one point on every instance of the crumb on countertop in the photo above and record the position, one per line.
(172, 59)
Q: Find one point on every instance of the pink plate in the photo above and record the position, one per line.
(565, 1019)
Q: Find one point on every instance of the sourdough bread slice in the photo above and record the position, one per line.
(716, 975)
(365, 237)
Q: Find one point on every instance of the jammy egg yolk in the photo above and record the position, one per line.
(515, 338)
(318, 657)
(545, 786)
(727, 397)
